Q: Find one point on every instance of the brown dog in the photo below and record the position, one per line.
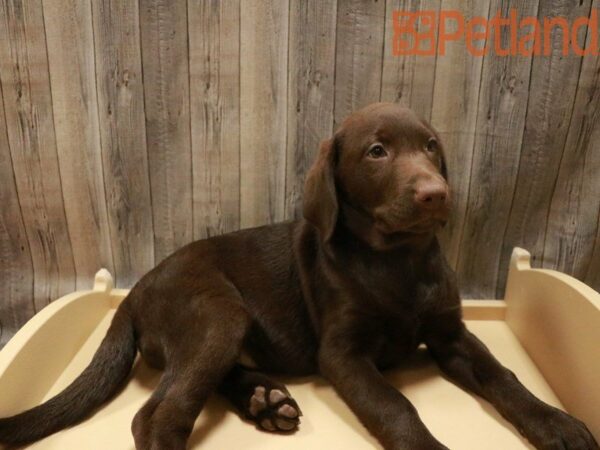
(354, 287)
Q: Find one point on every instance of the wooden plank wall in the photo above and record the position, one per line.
(129, 128)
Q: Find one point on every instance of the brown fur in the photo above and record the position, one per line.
(353, 288)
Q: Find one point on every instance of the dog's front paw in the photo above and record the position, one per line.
(556, 430)
(273, 409)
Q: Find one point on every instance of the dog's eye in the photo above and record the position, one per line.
(432, 145)
(377, 151)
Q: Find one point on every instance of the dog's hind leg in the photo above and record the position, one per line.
(198, 358)
(260, 399)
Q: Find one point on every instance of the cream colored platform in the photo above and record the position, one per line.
(547, 331)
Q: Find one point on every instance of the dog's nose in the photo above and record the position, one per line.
(431, 195)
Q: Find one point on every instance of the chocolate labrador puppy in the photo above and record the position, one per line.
(354, 287)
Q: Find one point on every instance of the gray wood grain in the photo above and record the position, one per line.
(164, 36)
(358, 55)
(572, 230)
(70, 43)
(311, 91)
(502, 108)
(28, 110)
(263, 106)
(16, 269)
(123, 137)
(214, 38)
(551, 96)
(410, 79)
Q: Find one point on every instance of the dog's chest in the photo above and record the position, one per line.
(398, 305)
(401, 287)
(398, 338)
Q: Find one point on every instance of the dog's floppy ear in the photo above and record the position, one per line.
(320, 198)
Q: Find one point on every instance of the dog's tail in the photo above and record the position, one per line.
(100, 380)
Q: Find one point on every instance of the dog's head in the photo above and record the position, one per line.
(382, 175)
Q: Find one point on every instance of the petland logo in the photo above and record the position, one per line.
(415, 33)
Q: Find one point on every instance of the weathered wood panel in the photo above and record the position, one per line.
(410, 79)
(358, 55)
(263, 105)
(16, 269)
(28, 112)
(123, 136)
(166, 98)
(72, 67)
(311, 91)
(572, 238)
(214, 38)
(551, 98)
(501, 110)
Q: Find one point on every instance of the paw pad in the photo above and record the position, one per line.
(276, 396)
(257, 401)
(288, 411)
(273, 410)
